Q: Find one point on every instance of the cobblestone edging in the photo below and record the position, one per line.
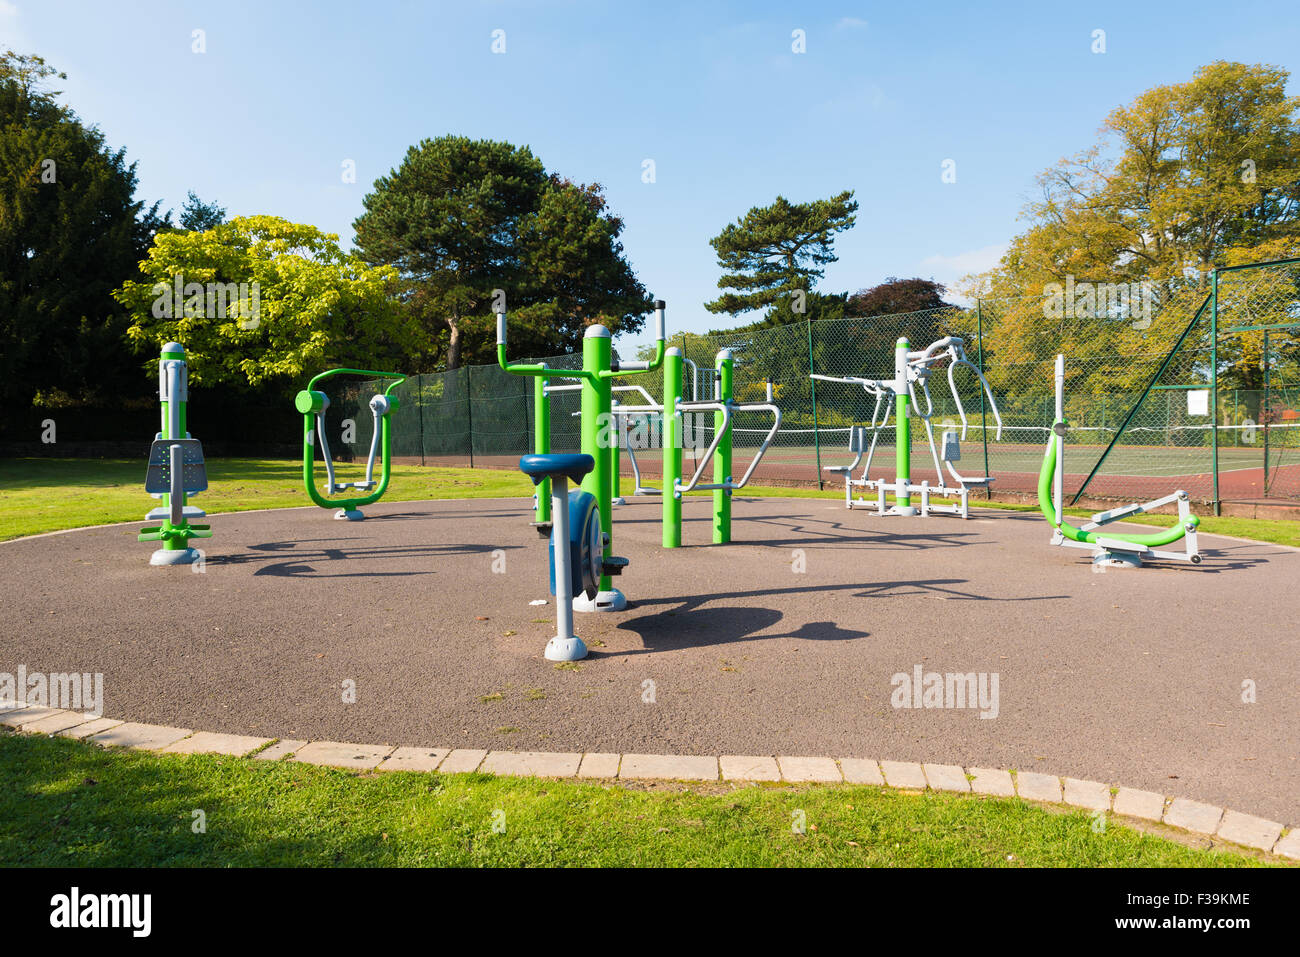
(1194, 816)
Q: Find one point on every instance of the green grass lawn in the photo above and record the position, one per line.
(68, 803)
(46, 495)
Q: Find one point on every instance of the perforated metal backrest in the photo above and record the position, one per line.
(951, 446)
(194, 473)
(858, 438)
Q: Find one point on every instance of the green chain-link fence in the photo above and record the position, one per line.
(1190, 384)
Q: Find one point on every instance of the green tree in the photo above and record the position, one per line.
(264, 301)
(199, 216)
(778, 251)
(70, 232)
(461, 218)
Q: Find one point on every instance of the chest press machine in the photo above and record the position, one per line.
(912, 370)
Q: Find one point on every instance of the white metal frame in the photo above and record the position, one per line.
(913, 368)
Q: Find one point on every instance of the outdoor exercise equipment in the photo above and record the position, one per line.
(543, 390)
(598, 369)
(312, 403)
(577, 544)
(724, 408)
(912, 370)
(1113, 550)
(176, 469)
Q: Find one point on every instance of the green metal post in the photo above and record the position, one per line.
(542, 443)
(1264, 412)
(1214, 383)
(902, 428)
(984, 418)
(672, 448)
(469, 415)
(817, 438)
(597, 354)
(722, 454)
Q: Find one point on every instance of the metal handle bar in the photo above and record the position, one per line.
(997, 416)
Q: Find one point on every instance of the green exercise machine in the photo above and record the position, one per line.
(176, 468)
(312, 403)
(598, 433)
(1110, 549)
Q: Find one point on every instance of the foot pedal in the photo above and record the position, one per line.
(613, 565)
(543, 528)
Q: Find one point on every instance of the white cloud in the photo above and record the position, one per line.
(949, 269)
(850, 23)
(959, 264)
(8, 9)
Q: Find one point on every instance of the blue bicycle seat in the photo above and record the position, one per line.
(572, 465)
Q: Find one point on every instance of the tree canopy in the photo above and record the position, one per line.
(1188, 176)
(262, 301)
(461, 218)
(776, 251)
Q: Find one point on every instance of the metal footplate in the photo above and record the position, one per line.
(613, 565)
(543, 528)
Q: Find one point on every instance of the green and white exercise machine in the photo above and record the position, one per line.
(724, 407)
(1109, 549)
(597, 427)
(176, 468)
(312, 403)
(912, 370)
(669, 429)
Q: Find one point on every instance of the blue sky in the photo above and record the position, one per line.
(711, 92)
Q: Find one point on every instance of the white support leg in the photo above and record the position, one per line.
(565, 646)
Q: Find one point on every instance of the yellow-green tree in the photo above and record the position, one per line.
(260, 300)
(1186, 177)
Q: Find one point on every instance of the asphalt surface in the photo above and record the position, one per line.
(1132, 677)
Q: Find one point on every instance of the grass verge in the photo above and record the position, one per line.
(69, 803)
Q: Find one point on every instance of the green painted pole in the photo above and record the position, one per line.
(984, 416)
(817, 438)
(902, 429)
(597, 353)
(725, 366)
(672, 448)
(542, 443)
(1264, 412)
(1214, 383)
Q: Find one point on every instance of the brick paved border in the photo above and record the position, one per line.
(1194, 816)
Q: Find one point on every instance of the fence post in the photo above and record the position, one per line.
(1264, 412)
(817, 438)
(1214, 383)
(984, 419)
(419, 404)
(469, 415)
